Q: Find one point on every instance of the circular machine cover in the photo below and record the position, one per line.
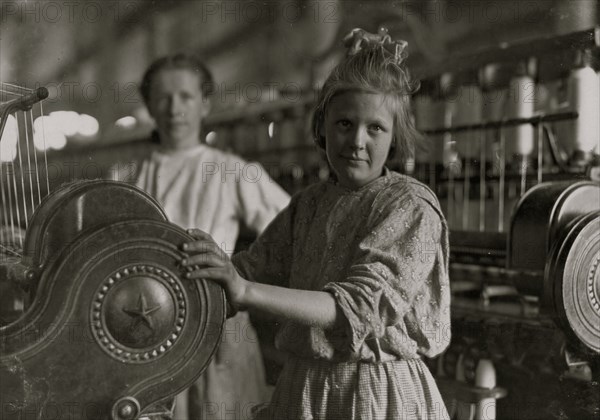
(113, 327)
(573, 281)
(539, 217)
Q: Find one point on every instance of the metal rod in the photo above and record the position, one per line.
(17, 216)
(540, 155)
(20, 155)
(482, 186)
(523, 172)
(37, 168)
(466, 191)
(23, 103)
(570, 115)
(501, 181)
(30, 173)
(3, 195)
(10, 251)
(451, 192)
(45, 154)
(512, 52)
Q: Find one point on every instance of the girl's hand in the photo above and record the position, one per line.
(208, 261)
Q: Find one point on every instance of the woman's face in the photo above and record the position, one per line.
(177, 105)
(359, 129)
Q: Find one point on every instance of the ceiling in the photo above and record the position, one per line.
(91, 53)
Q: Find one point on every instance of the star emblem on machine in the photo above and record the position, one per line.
(142, 313)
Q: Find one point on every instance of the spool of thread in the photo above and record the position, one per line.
(468, 110)
(494, 82)
(584, 97)
(520, 140)
(485, 377)
(432, 111)
(448, 92)
(494, 79)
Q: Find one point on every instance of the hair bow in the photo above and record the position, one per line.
(358, 38)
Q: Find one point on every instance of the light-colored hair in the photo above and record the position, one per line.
(374, 69)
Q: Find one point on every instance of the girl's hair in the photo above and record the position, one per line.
(178, 62)
(373, 69)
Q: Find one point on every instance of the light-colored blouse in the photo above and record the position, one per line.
(212, 190)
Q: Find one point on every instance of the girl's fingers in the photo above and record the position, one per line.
(199, 234)
(204, 260)
(212, 273)
(201, 246)
(200, 237)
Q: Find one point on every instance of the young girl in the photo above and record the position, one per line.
(355, 268)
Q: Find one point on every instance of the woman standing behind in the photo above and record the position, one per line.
(356, 268)
(201, 186)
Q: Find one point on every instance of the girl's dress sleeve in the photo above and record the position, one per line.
(396, 291)
(269, 258)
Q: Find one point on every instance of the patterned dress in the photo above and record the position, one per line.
(382, 252)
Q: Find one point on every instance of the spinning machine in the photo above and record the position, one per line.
(515, 167)
(96, 319)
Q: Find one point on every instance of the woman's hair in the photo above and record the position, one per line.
(178, 62)
(374, 69)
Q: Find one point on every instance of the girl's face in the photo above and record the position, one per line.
(178, 107)
(359, 128)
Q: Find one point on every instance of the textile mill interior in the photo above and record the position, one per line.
(306, 209)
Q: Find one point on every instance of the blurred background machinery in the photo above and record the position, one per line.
(510, 108)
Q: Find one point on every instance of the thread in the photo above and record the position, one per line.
(584, 97)
(485, 377)
(520, 140)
